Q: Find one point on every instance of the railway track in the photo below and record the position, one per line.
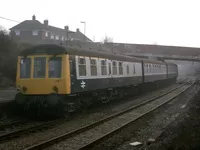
(87, 136)
(20, 132)
(12, 124)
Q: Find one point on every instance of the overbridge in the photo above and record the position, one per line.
(165, 57)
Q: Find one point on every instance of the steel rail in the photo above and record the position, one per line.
(13, 123)
(105, 136)
(18, 133)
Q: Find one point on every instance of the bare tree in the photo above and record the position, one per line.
(107, 39)
(107, 44)
(8, 55)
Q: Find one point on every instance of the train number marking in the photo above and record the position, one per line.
(83, 84)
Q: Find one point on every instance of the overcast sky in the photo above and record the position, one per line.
(164, 22)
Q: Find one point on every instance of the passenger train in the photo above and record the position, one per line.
(57, 76)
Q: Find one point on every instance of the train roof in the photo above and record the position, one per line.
(54, 49)
(171, 64)
(152, 61)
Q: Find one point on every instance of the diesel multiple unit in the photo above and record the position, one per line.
(56, 75)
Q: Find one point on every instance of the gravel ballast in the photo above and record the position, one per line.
(77, 122)
(152, 126)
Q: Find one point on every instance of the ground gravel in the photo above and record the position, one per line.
(76, 122)
(96, 132)
(152, 125)
(184, 133)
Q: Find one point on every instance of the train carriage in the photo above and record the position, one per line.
(94, 72)
(172, 71)
(154, 70)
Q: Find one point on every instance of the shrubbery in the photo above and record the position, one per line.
(9, 50)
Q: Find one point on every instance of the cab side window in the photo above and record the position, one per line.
(55, 67)
(39, 67)
(25, 68)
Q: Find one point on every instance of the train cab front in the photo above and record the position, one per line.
(42, 79)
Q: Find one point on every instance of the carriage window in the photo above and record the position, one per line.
(55, 67)
(127, 69)
(103, 67)
(150, 68)
(146, 68)
(157, 68)
(109, 69)
(114, 64)
(39, 67)
(153, 68)
(120, 68)
(25, 68)
(93, 67)
(82, 66)
(133, 69)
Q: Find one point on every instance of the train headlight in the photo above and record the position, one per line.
(24, 89)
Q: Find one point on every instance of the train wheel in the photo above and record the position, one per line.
(122, 93)
(107, 96)
(86, 102)
(71, 107)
